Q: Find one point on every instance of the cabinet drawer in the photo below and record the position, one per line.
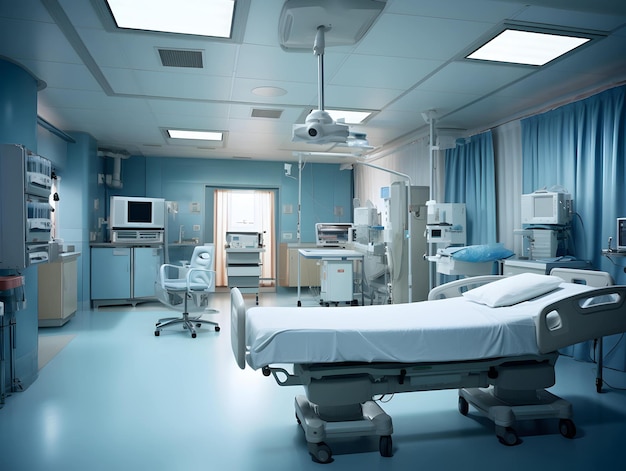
(242, 258)
(245, 270)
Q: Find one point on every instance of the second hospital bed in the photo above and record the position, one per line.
(499, 349)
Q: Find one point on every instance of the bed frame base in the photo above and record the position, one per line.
(505, 411)
(373, 422)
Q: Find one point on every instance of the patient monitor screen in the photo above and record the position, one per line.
(139, 211)
(621, 233)
(543, 206)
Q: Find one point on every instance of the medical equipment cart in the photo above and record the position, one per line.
(243, 268)
(336, 273)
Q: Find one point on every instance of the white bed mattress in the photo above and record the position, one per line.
(454, 329)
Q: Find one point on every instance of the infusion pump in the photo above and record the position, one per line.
(446, 223)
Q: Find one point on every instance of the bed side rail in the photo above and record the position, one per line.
(584, 316)
(458, 287)
(238, 327)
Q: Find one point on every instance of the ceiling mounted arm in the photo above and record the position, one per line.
(318, 50)
(345, 21)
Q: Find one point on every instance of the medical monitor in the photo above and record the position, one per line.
(621, 234)
(137, 213)
(546, 207)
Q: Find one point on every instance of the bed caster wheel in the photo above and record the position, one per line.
(320, 452)
(385, 446)
(157, 333)
(463, 406)
(193, 335)
(567, 428)
(508, 437)
(217, 328)
(198, 325)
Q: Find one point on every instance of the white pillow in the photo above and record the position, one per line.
(513, 289)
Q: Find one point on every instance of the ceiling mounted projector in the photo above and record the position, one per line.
(316, 22)
(345, 20)
(319, 128)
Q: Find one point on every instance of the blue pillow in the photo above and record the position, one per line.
(482, 253)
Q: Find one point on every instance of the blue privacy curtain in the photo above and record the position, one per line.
(582, 147)
(470, 179)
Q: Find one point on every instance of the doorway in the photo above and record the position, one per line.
(245, 210)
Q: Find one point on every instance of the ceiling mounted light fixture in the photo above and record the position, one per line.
(269, 91)
(195, 135)
(535, 48)
(196, 17)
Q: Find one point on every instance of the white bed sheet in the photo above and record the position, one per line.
(454, 329)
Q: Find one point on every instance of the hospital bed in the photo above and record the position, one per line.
(500, 358)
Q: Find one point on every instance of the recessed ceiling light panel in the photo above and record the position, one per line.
(349, 117)
(197, 17)
(196, 135)
(527, 47)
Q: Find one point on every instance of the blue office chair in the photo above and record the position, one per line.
(189, 289)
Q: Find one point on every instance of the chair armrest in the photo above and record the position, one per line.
(162, 273)
(210, 274)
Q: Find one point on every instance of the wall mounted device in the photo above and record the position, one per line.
(25, 213)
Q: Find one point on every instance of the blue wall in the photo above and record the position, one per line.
(325, 189)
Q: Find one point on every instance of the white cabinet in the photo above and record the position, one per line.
(336, 281)
(57, 290)
(124, 274)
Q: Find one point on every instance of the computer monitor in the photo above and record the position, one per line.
(621, 234)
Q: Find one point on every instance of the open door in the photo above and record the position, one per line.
(245, 210)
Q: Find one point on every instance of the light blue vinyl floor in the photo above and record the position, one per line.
(119, 398)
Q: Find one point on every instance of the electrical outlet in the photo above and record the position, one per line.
(196, 227)
(287, 236)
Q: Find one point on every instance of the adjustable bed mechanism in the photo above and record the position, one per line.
(338, 400)
(338, 397)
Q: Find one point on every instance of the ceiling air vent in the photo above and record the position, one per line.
(266, 113)
(181, 58)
